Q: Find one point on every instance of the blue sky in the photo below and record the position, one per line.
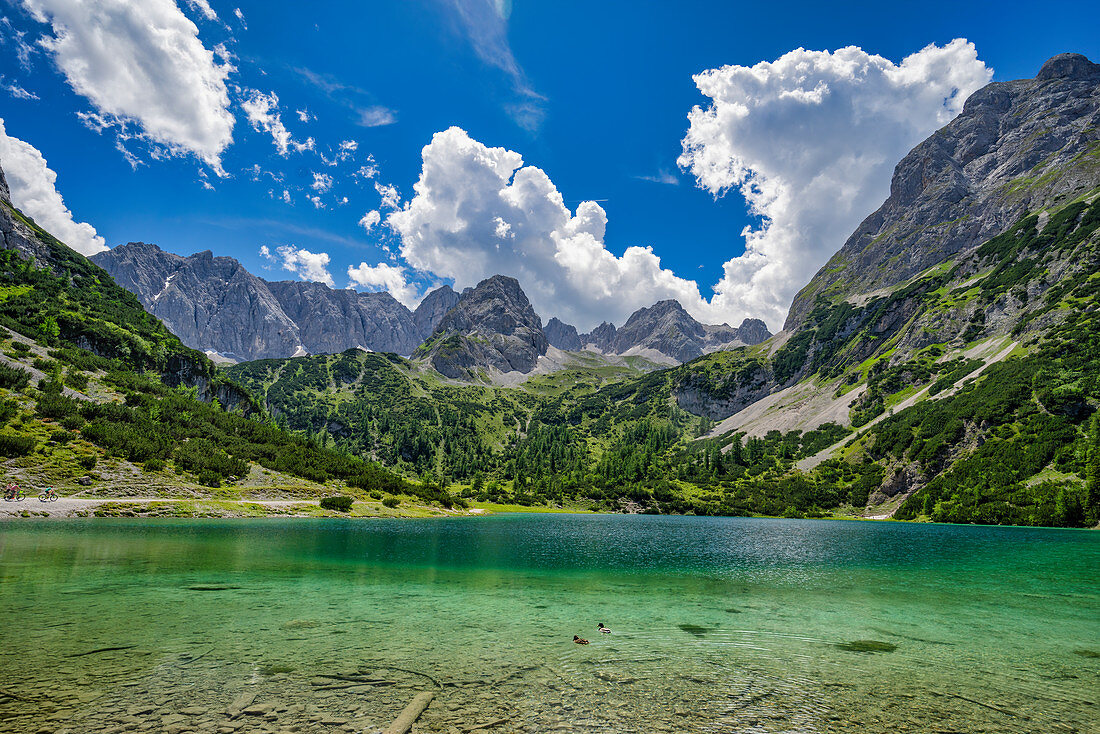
(596, 95)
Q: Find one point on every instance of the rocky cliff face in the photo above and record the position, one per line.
(330, 321)
(210, 303)
(667, 328)
(1017, 147)
(492, 326)
(562, 335)
(601, 338)
(214, 304)
(5, 193)
(432, 310)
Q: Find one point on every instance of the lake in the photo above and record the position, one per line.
(719, 624)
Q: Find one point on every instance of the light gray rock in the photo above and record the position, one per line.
(330, 321)
(668, 328)
(493, 325)
(432, 310)
(562, 335)
(215, 304)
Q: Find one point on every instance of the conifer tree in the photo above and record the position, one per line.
(1092, 471)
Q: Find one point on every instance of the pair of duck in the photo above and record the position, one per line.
(582, 641)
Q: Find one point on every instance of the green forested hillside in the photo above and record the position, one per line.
(985, 440)
(972, 392)
(87, 373)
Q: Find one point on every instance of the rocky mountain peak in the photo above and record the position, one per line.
(1068, 66)
(562, 335)
(753, 331)
(666, 328)
(602, 337)
(492, 325)
(432, 310)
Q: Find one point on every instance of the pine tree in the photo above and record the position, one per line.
(1092, 471)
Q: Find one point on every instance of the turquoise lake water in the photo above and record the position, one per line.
(719, 624)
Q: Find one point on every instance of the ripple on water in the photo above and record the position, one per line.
(321, 628)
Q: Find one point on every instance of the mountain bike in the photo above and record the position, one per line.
(48, 496)
(14, 494)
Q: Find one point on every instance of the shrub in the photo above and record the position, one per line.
(154, 465)
(12, 445)
(376, 495)
(88, 462)
(8, 409)
(391, 501)
(199, 455)
(53, 405)
(14, 378)
(210, 478)
(72, 422)
(19, 347)
(61, 436)
(340, 503)
(76, 380)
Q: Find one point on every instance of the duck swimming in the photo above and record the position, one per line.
(603, 629)
(579, 641)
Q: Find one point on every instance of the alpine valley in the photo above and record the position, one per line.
(944, 365)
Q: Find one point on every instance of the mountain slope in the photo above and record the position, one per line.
(1018, 147)
(216, 305)
(89, 380)
(961, 381)
(666, 327)
(492, 326)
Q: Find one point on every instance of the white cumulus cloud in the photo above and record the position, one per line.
(34, 192)
(263, 113)
(385, 277)
(370, 220)
(478, 211)
(301, 262)
(143, 63)
(810, 140)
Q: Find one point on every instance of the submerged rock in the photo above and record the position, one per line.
(694, 629)
(867, 646)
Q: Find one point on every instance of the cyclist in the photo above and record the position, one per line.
(13, 492)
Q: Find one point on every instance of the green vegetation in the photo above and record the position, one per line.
(98, 335)
(340, 503)
(977, 446)
(1018, 444)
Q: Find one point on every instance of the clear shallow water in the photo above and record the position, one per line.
(720, 624)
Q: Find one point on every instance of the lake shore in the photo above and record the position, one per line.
(214, 507)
